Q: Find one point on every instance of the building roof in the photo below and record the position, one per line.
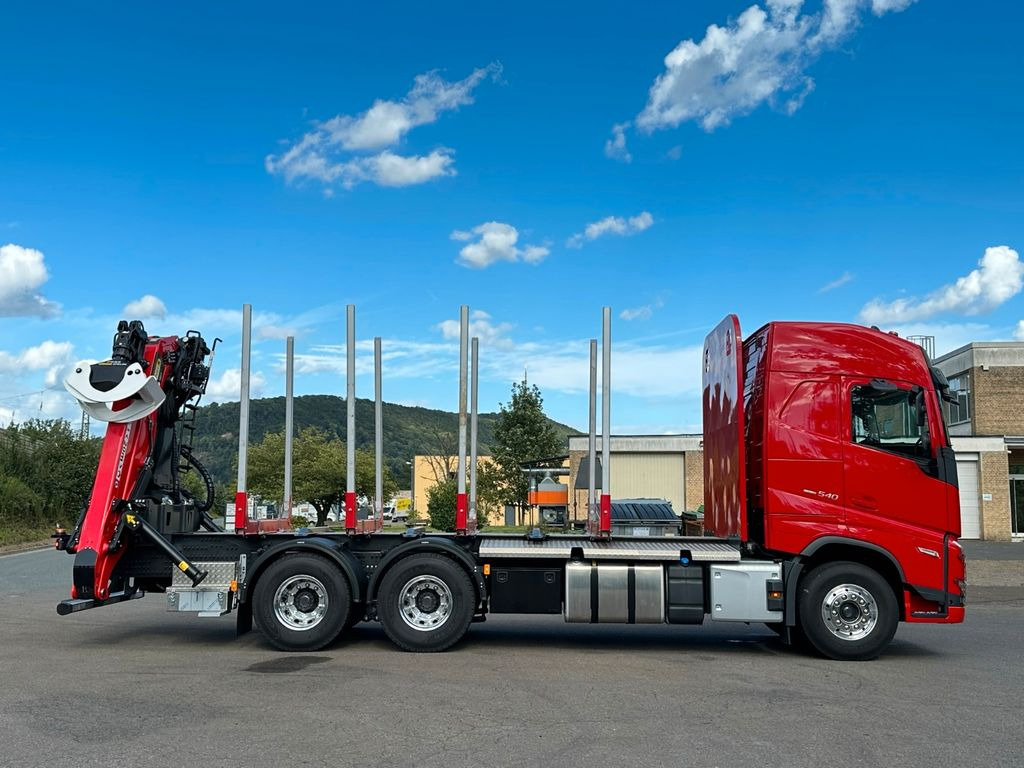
(642, 443)
(998, 354)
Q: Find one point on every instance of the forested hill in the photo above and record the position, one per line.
(407, 430)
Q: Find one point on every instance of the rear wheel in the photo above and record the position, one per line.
(302, 602)
(847, 611)
(425, 603)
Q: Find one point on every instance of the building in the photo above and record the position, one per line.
(428, 471)
(987, 429)
(669, 467)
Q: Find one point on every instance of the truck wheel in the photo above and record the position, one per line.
(301, 602)
(425, 603)
(847, 611)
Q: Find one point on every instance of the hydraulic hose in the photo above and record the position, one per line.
(186, 452)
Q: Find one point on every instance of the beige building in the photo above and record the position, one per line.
(987, 427)
(428, 471)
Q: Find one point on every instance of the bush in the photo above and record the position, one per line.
(299, 521)
(441, 505)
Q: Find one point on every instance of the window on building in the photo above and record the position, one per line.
(960, 388)
(887, 421)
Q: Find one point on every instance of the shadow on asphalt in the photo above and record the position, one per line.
(496, 635)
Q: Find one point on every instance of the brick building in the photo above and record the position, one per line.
(987, 427)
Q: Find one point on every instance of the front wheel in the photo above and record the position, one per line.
(425, 603)
(847, 611)
(302, 602)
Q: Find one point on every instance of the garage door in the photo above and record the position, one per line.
(970, 518)
(649, 476)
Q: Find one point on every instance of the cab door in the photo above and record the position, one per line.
(891, 475)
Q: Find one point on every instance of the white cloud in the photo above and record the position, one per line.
(495, 241)
(149, 306)
(390, 170)
(615, 147)
(1018, 334)
(228, 386)
(276, 332)
(40, 357)
(760, 57)
(998, 278)
(480, 325)
(637, 371)
(637, 313)
(644, 312)
(843, 279)
(611, 225)
(19, 373)
(22, 273)
(350, 149)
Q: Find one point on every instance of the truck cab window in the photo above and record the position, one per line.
(887, 421)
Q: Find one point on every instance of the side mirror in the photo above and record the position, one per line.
(917, 394)
(917, 398)
(942, 386)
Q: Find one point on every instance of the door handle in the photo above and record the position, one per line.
(865, 502)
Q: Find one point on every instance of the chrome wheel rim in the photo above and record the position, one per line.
(425, 603)
(301, 603)
(849, 611)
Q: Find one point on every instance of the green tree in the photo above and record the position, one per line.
(441, 501)
(522, 433)
(46, 474)
(490, 491)
(318, 470)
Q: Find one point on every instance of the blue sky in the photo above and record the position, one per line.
(849, 161)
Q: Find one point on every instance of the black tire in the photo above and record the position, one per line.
(862, 609)
(300, 589)
(425, 603)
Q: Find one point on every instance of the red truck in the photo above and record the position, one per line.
(831, 513)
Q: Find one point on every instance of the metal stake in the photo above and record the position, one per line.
(475, 355)
(606, 415)
(241, 499)
(350, 423)
(289, 421)
(378, 417)
(461, 511)
(592, 443)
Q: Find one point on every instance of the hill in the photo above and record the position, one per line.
(407, 430)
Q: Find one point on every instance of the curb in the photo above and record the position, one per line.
(16, 549)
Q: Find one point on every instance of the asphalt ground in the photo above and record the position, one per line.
(133, 685)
